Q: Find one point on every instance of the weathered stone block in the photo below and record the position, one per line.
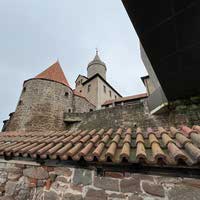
(153, 189)
(36, 172)
(69, 196)
(182, 192)
(114, 174)
(143, 177)
(135, 197)
(3, 177)
(77, 188)
(14, 176)
(59, 187)
(130, 185)
(106, 183)
(10, 188)
(117, 196)
(14, 170)
(82, 176)
(51, 195)
(95, 195)
(62, 171)
(62, 179)
(191, 182)
(7, 198)
(164, 179)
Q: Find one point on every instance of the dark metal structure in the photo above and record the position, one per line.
(169, 31)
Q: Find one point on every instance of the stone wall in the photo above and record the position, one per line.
(30, 181)
(137, 114)
(82, 105)
(42, 105)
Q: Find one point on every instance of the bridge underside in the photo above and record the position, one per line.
(169, 31)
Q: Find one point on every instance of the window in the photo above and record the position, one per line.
(91, 110)
(67, 94)
(110, 93)
(104, 89)
(89, 88)
(24, 89)
(69, 111)
(115, 96)
(80, 91)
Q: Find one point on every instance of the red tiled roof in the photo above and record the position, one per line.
(54, 73)
(128, 98)
(151, 147)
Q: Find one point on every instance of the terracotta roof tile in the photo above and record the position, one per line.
(54, 73)
(159, 146)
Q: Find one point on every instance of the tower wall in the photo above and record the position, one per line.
(96, 69)
(42, 106)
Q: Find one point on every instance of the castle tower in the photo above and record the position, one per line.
(96, 67)
(43, 102)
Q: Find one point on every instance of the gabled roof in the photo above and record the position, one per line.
(54, 73)
(169, 147)
(98, 75)
(128, 98)
(81, 76)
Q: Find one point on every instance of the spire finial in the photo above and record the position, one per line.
(97, 51)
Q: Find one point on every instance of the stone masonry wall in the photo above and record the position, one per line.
(30, 181)
(137, 114)
(41, 106)
(82, 105)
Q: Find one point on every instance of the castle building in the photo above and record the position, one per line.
(44, 101)
(95, 87)
(46, 98)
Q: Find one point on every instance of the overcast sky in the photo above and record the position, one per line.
(35, 33)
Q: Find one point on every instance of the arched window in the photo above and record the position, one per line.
(89, 88)
(67, 94)
(104, 89)
(69, 111)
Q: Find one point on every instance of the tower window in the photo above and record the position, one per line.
(24, 89)
(104, 89)
(110, 93)
(67, 94)
(89, 88)
(69, 111)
